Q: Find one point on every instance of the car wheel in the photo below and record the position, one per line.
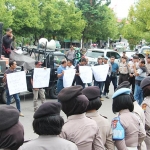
(4, 100)
(53, 91)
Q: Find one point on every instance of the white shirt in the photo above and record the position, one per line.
(71, 67)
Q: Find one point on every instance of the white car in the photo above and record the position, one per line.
(93, 54)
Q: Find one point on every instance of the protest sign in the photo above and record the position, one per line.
(100, 72)
(17, 82)
(68, 77)
(41, 77)
(86, 74)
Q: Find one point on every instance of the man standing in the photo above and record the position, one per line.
(107, 82)
(148, 65)
(114, 72)
(71, 53)
(100, 84)
(123, 71)
(60, 74)
(70, 65)
(140, 75)
(12, 69)
(37, 91)
(7, 42)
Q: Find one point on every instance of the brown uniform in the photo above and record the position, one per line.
(146, 108)
(82, 131)
(105, 129)
(134, 132)
(124, 72)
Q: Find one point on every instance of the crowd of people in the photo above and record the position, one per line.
(85, 128)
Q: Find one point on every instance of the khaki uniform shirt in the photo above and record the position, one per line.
(147, 120)
(148, 68)
(134, 132)
(48, 142)
(123, 68)
(82, 131)
(105, 129)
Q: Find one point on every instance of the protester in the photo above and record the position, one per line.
(37, 91)
(93, 94)
(60, 74)
(11, 130)
(114, 72)
(137, 109)
(12, 69)
(100, 84)
(79, 129)
(140, 75)
(148, 65)
(77, 76)
(87, 64)
(145, 85)
(47, 124)
(7, 42)
(107, 82)
(133, 129)
(71, 53)
(123, 70)
(70, 65)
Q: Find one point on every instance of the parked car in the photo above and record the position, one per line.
(144, 50)
(93, 54)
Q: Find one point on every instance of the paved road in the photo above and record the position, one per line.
(27, 110)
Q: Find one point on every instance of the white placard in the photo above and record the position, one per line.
(41, 77)
(100, 72)
(17, 82)
(68, 77)
(86, 74)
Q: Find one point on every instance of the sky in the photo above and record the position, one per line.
(121, 7)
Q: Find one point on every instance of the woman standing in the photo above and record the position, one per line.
(133, 129)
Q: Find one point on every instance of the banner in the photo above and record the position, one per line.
(86, 74)
(17, 82)
(100, 72)
(41, 77)
(68, 77)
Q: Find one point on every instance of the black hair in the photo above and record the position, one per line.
(51, 125)
(121, 102)
(112, 57)
(143, 61)
(11, 62)
(146, 90)
(63, 62)
(94, 104)
(83, 60)
(70, 61)
(8, 29)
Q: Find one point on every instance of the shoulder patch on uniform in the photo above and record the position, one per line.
(104, 117)
(144, 106)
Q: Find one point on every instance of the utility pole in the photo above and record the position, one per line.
(1, 36)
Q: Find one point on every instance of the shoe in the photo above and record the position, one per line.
(107, 95)
(21, 115)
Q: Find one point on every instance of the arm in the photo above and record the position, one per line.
(120, 144)
(4, 78)
(60, 74)
(98, 142)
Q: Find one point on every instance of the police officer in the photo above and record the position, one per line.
(79, 129)
(123, 70)
(92, 93)
(145, 85)
(132, 127)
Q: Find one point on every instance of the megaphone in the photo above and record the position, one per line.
(42, 42)
(51, 45)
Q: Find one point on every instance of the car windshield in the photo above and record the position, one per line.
(94, 54)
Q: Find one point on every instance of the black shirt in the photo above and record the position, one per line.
(7, 41)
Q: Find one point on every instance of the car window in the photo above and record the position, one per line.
(108, 54)
(58, 59)
(94, 54)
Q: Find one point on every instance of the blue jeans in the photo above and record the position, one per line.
(114, 82)
(138, 94)
(59, 85)
(16, 97)
(100, 85)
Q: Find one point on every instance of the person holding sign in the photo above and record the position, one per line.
(37, 91)
(60, 74)
(12, 69)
